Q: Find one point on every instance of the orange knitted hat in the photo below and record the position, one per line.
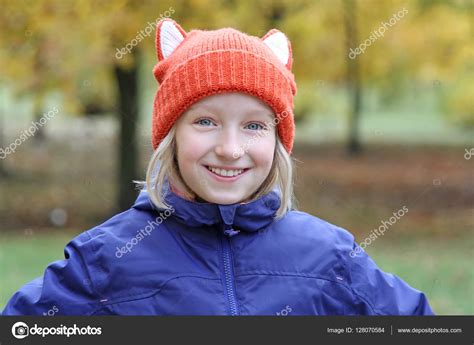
(200, 63)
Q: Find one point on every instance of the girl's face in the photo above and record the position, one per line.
(232, 134)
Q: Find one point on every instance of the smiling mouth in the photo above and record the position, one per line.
(226, 172)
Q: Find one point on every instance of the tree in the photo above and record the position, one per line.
(353, 76)
(52, 44)
(127, 82)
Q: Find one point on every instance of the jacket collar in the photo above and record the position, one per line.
(233, 218)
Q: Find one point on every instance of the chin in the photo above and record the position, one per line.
(222, 200)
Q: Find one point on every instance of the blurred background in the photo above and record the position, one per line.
(384, 111)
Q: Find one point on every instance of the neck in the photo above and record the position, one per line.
(181, 190)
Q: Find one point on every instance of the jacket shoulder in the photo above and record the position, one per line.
(316, 231)
(333, 251)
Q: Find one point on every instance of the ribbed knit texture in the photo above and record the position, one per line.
(224, 60)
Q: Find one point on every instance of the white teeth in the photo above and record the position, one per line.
(225, 173)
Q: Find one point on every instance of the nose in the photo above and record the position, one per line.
(229, 146)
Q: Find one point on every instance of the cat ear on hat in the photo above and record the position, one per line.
(280, 45)
(169, 35)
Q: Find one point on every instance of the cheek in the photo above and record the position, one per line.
(188, 150)
(262, 152)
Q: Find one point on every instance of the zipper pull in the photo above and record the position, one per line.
(229, 231)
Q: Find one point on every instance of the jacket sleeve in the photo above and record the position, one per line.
(380, 293)
(65, 288)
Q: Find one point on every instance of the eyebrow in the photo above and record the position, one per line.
(251, 112)
(269, 116)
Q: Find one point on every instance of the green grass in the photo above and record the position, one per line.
(24, 257)
(442, 268)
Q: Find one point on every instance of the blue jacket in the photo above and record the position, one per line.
(210, 259)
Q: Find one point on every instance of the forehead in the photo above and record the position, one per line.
(233, 103)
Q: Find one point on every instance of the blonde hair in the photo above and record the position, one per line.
(281, 175)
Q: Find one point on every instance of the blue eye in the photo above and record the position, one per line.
(256, 126)
(202, 120)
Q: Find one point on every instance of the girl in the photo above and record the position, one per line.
(213, 231)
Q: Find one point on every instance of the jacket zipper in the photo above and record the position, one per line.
(229, 276)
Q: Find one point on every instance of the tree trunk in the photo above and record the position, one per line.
(127, 81)
(39, 136)
(353, 77)
(3, 171)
